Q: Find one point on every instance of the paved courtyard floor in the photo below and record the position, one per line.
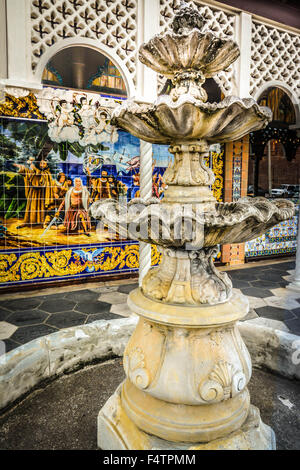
(29, 315)
(45, 420)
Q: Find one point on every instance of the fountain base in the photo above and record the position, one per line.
(116, 431)
(187, 371)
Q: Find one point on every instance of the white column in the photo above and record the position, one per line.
(148, 25)
(244, 41)
(295, 284)
(145, 193)
(269, 168)
(19, 72)
(3, 44)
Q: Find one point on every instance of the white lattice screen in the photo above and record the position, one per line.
(219, 22)
(275, 56)
(110, 21)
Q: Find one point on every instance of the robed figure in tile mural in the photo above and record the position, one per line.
(76, 204)
(39, 191)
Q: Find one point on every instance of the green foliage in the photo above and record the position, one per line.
(12, 195)
(8, 148)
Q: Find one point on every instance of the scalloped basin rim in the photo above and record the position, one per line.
(142, 108)
(166, 52)
(259, 214)
(188, 119)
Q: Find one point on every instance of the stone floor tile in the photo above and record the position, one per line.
(66, 319)
(281, 302)
(296, 311)
(6, 330)
(4, 314)
(21, 304)
(238, 284)
(275, 313)
(256, 302)
(92, 308)
(250, 315)
(286, 293)
(128, 288)
(256, 292)
(9, 345)
(57, 296)
(288, 266)
(271, 276)
(121, 309)
(54, 305)
(268, 322)
(28, 317)
(243, 275)
(25, 334)
(104, 289)
(113, 298)
(84, 295)
(288, 278)
(102, 316)
(294, 326)
(262, 284)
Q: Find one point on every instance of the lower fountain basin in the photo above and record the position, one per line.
(187, 226)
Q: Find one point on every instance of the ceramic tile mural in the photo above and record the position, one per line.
(281, 239)
(54, 163)
(42, 236)
(237, 169)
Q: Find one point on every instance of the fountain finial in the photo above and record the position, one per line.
(186, 19)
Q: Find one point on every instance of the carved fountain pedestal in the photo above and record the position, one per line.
(186, 364)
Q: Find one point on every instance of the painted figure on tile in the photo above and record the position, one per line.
(103, 186)
(76, 204)
(82, 109)
(39, 191)
(117, 188)
(155, 186)
(62, 125)
(95, 196)
(161, 186)
(136, 185)
(62, 185)
(98, 128)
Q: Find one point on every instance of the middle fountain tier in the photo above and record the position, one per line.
(186, 364)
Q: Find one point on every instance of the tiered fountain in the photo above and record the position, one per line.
(186, 364)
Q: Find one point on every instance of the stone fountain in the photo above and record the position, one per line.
(186, 364)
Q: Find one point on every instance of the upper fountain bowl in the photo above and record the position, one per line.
(171, 53)
(189, 56)
(187, 48)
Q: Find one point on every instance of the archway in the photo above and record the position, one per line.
(85, 69)
(89, 44)
(277, 141)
